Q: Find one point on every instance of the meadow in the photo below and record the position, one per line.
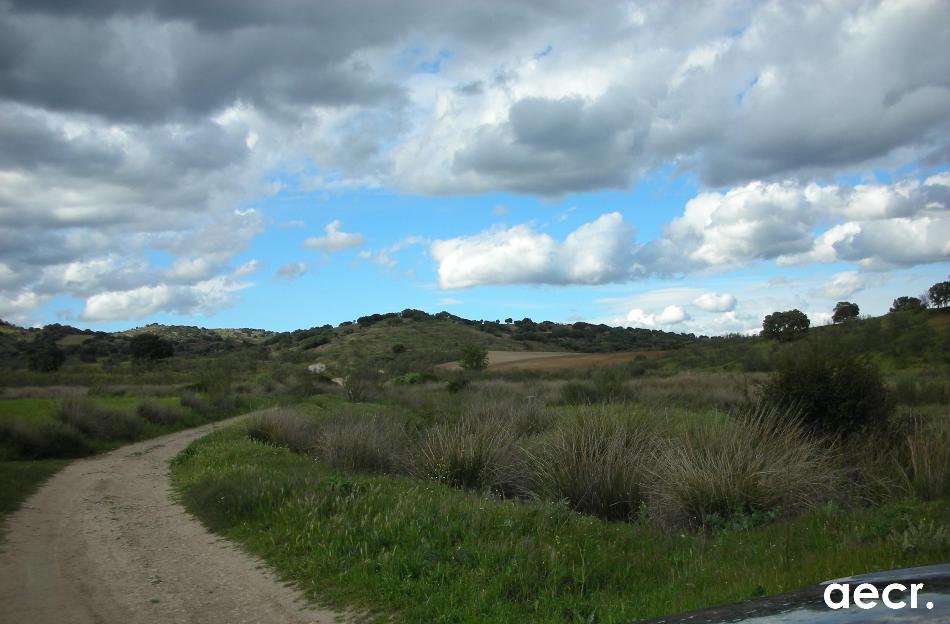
(719, 470)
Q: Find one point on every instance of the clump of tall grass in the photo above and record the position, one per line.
(284, 427)
(367, 444)
(43, 439)
(156, 413)
(596, 462)
(474, 451)
(761, 462)
(926, 469)
(98, 423)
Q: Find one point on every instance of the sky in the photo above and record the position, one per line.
(686, 166)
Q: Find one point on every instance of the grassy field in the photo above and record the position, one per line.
(427, 552)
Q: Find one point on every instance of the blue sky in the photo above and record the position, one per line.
(287, 165)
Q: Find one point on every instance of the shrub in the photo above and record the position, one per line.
(44, 439)
(595, 462)
(283, 427)
(46, 358)
(98, 423)
(474, 358)
(191, 400)
(150, 347)
(155, 412)
(760, 463)
(363, 444)
(471, 452)
(836, 396)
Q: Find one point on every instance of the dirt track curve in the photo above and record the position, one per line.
(102, 541)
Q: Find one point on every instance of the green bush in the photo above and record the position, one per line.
(835, 396)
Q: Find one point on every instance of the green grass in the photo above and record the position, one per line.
(19, 479)
(430, 553)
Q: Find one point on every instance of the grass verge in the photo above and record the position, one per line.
(19, 479)
(426, 552)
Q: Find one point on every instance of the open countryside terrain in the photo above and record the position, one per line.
(379, 495)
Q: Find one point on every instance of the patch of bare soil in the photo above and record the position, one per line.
(551, 360)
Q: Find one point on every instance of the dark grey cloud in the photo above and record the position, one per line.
(130, 126)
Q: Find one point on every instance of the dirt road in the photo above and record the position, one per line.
(103, 542)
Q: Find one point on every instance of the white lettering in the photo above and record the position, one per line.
(844, 603)
(914, 588)
(886, 596)
(865, 596)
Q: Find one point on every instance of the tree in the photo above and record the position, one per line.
(939, 294)
(845, 311)
(907, 304)
(474, 358)
(150, 347)
(785, 326)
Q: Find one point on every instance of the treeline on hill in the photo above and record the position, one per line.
(49, 347)
(579, 336)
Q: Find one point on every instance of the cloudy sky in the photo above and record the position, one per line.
(284, 164)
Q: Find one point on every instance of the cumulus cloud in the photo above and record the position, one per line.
(715, 302)
(291, 270)
(334, 239)
(134, 127)
(137, 303)
(595, 253)
(670, 315)
(719, 231)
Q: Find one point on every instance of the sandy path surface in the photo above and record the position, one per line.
(102, 541)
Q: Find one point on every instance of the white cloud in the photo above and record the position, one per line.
(334, 239)
(291, 270)
(246, 269)
(844, 284)
(201, 298)
(670, 315)
(450, 301)
(715, 302)
(595, 253)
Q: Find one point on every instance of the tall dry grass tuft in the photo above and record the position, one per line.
(596, 462)
(96, 422)
(369, 444)
(284, 427)
(761, 462)
(156, 413)
(473, 451)
(926, 469)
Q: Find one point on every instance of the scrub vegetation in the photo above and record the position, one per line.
(710, 470)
